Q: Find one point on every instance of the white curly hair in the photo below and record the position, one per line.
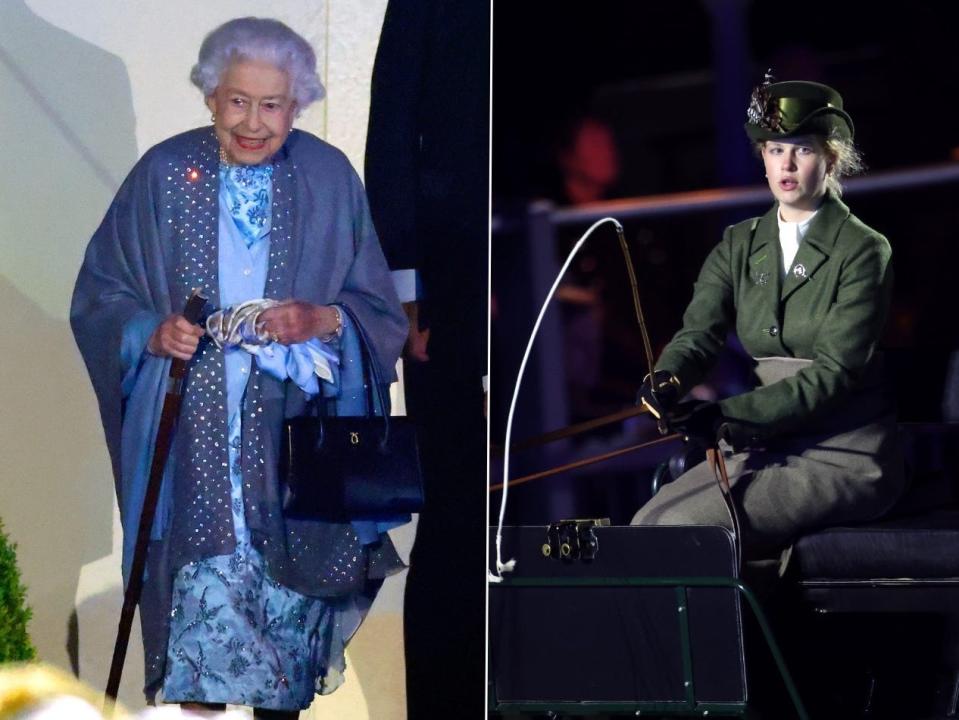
(252, 38)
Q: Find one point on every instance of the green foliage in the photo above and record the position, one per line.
(14, 642)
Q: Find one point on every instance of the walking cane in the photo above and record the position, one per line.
(164, 438)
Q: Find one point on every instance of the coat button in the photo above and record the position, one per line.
(773, 330)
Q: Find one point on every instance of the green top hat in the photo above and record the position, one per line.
(778, 111)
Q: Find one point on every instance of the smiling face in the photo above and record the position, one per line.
(254, 111)
(796, 170)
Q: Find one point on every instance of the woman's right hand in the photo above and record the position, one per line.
(175, 337)
(658, 393)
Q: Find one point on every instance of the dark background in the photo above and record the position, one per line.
(672, 82)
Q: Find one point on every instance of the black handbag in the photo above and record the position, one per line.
(341, 468)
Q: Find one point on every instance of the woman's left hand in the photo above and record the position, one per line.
(698, 420)
(295, 321)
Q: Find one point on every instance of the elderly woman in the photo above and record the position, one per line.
(806, 287)
(241, 605)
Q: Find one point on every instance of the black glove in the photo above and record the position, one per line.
(703, 423)
(699, 420)
(659, 392)
(742, 435)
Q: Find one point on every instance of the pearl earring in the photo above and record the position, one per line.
(213, 117)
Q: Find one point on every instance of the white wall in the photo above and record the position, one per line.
(86, 86)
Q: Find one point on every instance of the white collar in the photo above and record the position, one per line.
(800, 226)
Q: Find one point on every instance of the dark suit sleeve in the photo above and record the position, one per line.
(392, 142)
(844, 346)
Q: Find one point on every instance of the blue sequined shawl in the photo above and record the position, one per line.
(156, 244)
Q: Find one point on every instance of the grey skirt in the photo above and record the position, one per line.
(803, 482)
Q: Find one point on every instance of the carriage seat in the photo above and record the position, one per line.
(916, 544)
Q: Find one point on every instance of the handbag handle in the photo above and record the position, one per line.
(371, 376)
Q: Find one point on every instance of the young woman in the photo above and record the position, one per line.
(806, 288)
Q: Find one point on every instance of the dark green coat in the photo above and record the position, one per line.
(824, 449)
(830, 308)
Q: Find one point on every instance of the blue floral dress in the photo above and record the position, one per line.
(236, 635)
(239, 637)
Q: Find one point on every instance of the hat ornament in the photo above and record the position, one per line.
(759, 111)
